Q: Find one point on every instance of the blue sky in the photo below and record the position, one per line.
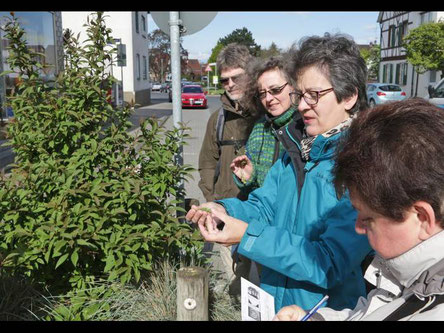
(282, 28)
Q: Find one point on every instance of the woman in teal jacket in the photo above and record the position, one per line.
(294, 225)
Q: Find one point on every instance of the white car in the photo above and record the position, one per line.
(156, 86)
(436, 94)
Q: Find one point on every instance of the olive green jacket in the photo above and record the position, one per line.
(238, 125)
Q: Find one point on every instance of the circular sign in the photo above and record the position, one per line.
(191, 21)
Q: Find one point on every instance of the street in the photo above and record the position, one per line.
(196, 119)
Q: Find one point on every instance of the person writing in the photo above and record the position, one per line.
(391, 162)
(294, 226)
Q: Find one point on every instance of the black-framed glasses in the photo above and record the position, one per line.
(235, 78)
(273, 91)
(311, 97)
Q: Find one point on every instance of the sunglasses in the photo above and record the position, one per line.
(273, 91)
(310, 97)
(235, 79)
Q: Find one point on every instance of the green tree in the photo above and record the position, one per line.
(273, 50)
(424, 47)
(372, 57)
(160, 54)
(241, 36)
(86, 200)
(215, 52)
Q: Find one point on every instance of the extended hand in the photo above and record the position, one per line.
(242, 167)
(290, 313)
(198, 214)
(231, 233)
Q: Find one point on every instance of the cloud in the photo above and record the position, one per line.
(201, 56)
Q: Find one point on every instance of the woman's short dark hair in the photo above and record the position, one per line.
(338, 57)
(392, 157)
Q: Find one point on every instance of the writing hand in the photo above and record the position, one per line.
(290, 313)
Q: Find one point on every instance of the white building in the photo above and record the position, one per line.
(394, 67)
(130, 29)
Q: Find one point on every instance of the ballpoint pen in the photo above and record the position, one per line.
(315, 308)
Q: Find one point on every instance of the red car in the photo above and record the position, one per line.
(194, 96)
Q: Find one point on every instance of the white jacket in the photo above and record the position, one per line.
(419, 271)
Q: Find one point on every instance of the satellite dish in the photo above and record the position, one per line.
(191, 21)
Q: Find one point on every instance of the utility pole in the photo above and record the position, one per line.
(175, 23)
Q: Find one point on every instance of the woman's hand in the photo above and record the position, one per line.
(290, 313)
(198, 214)
(218, 227)
(242, 168)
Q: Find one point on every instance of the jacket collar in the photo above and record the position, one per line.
(324, 147)
(233, 106)
(419, 270)
(415, 268)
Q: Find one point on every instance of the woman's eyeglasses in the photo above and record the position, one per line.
(311, 97)
(273, 91)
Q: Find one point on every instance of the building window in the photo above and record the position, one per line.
(387, 73)
(138, 65)
(401, 73)
(40, 37)
(145, 68)
(392, 36)
(137, 21)
(404, 71)
(426, 17)
(402, 31)
(143, 23)
(432, 77)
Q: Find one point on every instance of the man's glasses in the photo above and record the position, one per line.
(273, 91)
(310, 97)
(235, 79)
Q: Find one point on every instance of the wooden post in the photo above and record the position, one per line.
(192, 294)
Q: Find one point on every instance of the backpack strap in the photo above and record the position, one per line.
(238, 144)
(412, 305)
(219, 134)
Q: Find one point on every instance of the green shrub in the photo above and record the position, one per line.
(85, 199)
(155, 299)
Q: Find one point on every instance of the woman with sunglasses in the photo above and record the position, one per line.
(269, 92)
(294, 225)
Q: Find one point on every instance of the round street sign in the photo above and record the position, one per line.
(191, 21)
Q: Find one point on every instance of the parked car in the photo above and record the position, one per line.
(156, 86)
(194, 96)
(379, 93)
(436, 94)
(165, 87)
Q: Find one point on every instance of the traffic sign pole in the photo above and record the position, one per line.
(184, 23)
(175, 23)
(175, 67)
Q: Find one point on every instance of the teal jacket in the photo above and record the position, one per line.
(305, 240)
